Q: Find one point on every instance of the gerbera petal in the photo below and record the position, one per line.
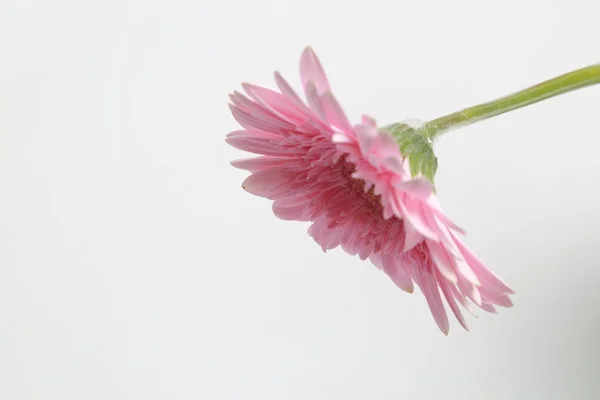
(484, 273)
(314, 100)
(419, 188)
(258, 163)
(312, 71)
(434, 300)
(398, 272)
(411, 238)
(287, 90)
(442, 261)
(278, 104)
(261, 183)
(334, 113)
(411, 210)
(452, 303)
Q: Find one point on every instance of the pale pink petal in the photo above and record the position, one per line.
(287, 90)
(366, 137)
(256, 145)
(314, 100)
(465, 271)
(432, 295)
(489, 308)
(334, 113)
(278, 104)
(293, 213)
(442, 261)
(366, 120)
(258, 163)
(419, 188)
(412, 211)
(484, 273)
(311, 71)
(412, 237)
(398, 272)
(452, 303)
(261, 183)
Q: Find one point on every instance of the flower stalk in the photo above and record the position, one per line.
(568, 82)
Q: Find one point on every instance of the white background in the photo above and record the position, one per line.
(133, 266)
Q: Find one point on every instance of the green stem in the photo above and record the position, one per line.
(562, 84)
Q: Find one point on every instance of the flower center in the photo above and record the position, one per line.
(358, 187)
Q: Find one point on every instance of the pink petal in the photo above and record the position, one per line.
(432, 295)
(311, 70)
(249, 121)
(277, 103)
(260, 112)
(256, 145)
(254, 133)
(287, 91)
(366, 136)
(442, 261)
(412, 212)
(411, 238)
(292, 213)
(314, 100)
(334, 113)
(452, 303)
(399, 274)
(484, 273)
(489, 308)
(419, 188)
(470, 290)
(258, 163)
(465, 271)
(261, 183)
(433, 203)
(366, 120)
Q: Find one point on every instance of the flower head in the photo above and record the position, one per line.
(355, 186)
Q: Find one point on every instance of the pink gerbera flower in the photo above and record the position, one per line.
(354, 185)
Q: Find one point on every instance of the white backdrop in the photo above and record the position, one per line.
(133, 266)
